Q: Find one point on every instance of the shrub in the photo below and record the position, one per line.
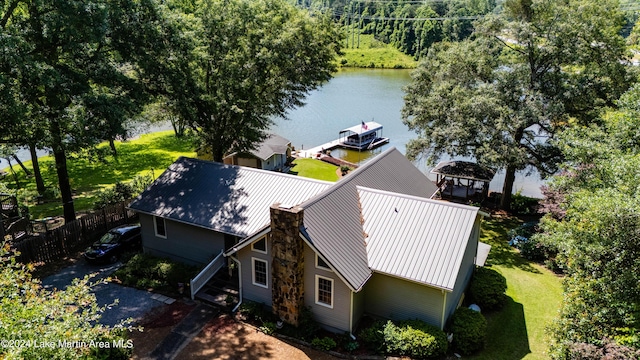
(415, 338)
(326, 343)
(145, 271)
(523, 205)
(268, 327)
(469, 330)
(487, 288)
(254, 311)
(373, 336)
(307, 325)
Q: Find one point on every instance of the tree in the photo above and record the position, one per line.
(597, 236)
(65, 73)
(249, 61)
(29, 313)
(528, 72)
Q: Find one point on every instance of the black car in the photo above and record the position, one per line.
(114, 243)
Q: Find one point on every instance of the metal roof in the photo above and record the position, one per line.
(359, 129)
(333, 220)
(226, 198)
(414, 238)
(273, 144)
(464, 170)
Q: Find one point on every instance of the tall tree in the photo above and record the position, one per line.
(62, 69)
(529, 71)
(598, 236)
(252, 60)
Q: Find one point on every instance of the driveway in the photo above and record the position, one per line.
(133, 303)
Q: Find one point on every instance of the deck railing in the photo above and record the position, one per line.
(207, 273)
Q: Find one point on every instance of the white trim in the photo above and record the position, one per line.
(351, 315)
(318, 266)
(155, 227)
(444, 309)
(247, 240)
(336, 272)
(253, 272)
(266, 249)
(318, 277)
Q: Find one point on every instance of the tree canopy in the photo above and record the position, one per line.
(598, 235)
(248, 61)
(501, 96)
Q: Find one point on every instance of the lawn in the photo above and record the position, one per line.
(534, 297)
(315, 169)
(148, 154)
(375, 54)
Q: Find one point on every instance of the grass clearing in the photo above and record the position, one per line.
(150, 153)
(315, 169)
(534, 297)
(375, 54)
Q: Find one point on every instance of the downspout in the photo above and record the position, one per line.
(239, 282)
(444, 309)
(351, 316)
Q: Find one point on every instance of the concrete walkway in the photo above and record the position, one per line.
(184, 332)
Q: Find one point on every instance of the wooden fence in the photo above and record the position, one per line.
(71, 237)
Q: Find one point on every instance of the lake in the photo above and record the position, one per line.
(352, 96)
(356, 95)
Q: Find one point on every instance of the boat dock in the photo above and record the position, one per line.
(365, 136)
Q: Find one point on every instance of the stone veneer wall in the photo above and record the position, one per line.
(287, 263)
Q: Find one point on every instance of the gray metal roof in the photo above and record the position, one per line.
(226, 198)
(332, 219)
(464, 170)
(273, 144)
(414, 238)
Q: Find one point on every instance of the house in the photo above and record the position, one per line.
(374, 242)
(271, 154)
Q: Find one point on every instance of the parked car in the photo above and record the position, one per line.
(114, 243)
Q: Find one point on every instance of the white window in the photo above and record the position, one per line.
(324, 291)
(260, 245)
(160, 227)
(321, 264)
(260, 272)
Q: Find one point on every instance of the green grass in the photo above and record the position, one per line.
(151, 153)
(315, 169)
(375, 54)
(534, 296)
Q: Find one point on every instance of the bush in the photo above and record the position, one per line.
(373, 336)
(415, 338)
(308, 327)
(326, 343)
(487, 288)
(608, 350)
(122, 191)
(268, 327)
(469, 330)
(144, 271)
(254, 311)
(523, 205)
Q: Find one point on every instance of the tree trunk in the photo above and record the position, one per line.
(507, 188)
(36, 169)
(63, 175)
(15, 176)
(112, 145)
(24, 168)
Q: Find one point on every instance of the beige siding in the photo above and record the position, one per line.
(397, 299)
(249, 162)
(249, 290)
(466, 270)
(184, 243)
(333, 319)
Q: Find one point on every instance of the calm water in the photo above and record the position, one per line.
(359, 95)
(350, 97)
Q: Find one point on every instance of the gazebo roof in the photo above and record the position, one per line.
(464, 170)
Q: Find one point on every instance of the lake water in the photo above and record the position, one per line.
(357, 95)
(352, 96)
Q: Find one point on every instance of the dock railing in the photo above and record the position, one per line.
(206, 274)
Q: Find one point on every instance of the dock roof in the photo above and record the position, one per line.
(359, 129)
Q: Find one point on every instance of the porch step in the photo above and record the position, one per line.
(219, 299)
(220, 288)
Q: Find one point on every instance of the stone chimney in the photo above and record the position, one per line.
(287, 265)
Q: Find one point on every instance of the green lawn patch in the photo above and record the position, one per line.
(315, 169)
(375, 54)
(534, 297)
(148, 154)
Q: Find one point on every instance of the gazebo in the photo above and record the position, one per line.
(463, 180)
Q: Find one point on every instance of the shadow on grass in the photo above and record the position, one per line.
(494, 233)
(507, 336)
